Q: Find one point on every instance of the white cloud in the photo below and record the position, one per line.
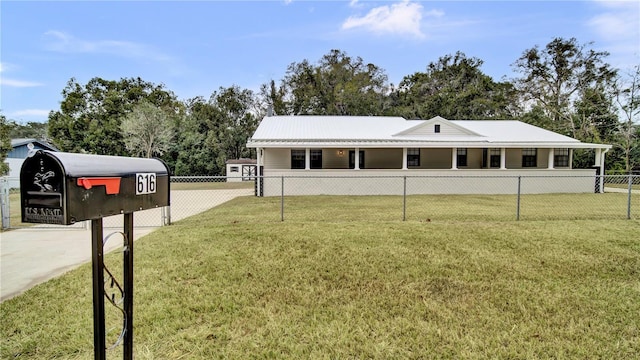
(4, 81)
(620, 20)
(67, 43)
(401, 18)
(18, 83)
(29, 113)
(618, 27)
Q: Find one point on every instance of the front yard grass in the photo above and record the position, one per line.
(15, 215)
(236, 282)
(211, 185)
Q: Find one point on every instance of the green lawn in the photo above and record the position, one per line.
(15, 215)
(212, 185)
(623, 186)
(236, 282)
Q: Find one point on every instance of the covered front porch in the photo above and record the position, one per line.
(455, 170)
(431, 158)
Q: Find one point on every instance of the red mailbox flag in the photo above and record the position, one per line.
(112, 184)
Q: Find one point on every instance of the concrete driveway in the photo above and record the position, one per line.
(34, 255)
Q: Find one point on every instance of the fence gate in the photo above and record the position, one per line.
(248, 172)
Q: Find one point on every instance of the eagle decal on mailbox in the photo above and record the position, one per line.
(42, 178)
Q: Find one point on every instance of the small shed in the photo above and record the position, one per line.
(241, 170)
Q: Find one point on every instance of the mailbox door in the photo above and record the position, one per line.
(42, 191)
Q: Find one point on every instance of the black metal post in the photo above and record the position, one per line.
(99, 340)
(127, 349)
(282, 200)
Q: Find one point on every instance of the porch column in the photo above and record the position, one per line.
(258, 178)
(404, 158)
(503, 158)
(597, 159)
(307, 158)
(550, 164)
(602, 156)
(454, 158)
(570, 158)
(356, 166)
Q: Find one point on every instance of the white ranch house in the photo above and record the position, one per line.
(439, 155)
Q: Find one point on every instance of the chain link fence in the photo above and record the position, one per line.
(427, 198)
(421, 198)
(189, 195)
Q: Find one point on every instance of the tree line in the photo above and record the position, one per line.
(565, 86)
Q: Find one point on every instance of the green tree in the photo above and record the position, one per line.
(5, 144)
(238, 115)
(337, 85)
(147, 130)
(627, 94)
(89, 117)
(453, 87)
(215, 130)
(596, 121)
(191, 155)
(273, 97)
(35, 130)
(555, 77)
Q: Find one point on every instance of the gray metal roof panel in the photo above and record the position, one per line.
(367, 130)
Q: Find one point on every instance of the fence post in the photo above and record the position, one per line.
(404, 200)
(282, 199)
(167, 215)
(4, 202)
(518, 202)
(629, 197)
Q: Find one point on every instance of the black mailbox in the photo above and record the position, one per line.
(64, 188)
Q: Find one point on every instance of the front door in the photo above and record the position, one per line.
(352, 159)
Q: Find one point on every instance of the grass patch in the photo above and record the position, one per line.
(458, 207)
(236, 282)
(15, 211)
(222, 185)
(623, 186)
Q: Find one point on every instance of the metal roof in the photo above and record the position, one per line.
(382, 131)
(24, 141)
(241, 161)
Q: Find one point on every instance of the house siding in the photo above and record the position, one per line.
(383, 158)
(429, 129)
(435, 159)
(474, 159)
(277, 158)
(514, 158)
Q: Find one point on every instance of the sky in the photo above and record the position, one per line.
(196, 47)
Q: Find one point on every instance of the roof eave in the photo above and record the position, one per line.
(421, 144)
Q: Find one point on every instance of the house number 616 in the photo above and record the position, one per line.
(145, 183)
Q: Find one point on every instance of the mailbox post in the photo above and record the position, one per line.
(65, 188)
